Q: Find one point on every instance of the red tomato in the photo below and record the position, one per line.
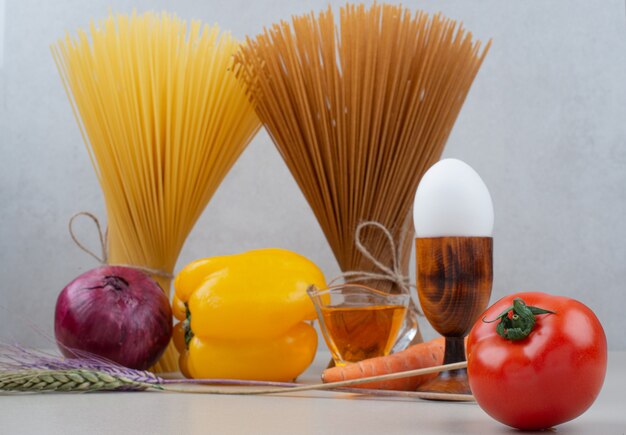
(551, 376)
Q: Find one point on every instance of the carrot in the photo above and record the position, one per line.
(427, 354)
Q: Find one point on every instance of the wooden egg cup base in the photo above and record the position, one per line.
(454, 277)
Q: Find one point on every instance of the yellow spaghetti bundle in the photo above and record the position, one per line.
(164, 119)
(359, 111)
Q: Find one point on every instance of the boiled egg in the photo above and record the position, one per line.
(452, 200)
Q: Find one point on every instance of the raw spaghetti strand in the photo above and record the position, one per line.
(359, 108)
(163, 118)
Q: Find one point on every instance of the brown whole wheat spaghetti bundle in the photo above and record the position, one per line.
(359, 110)
(164, 119)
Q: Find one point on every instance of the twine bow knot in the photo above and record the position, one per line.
(104, 259)
(393, 273)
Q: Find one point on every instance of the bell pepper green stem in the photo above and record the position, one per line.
(187, 326)
(518, 320)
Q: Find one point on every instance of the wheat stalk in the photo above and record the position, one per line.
(25, 370)
(40, 381)
(338, 385)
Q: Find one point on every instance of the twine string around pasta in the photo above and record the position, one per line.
(393, 273)
(104, 259)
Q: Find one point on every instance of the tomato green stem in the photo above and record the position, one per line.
(518, 320)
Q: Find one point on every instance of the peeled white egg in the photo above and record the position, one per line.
(452, 200)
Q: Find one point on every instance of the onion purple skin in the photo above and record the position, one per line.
(115, 312)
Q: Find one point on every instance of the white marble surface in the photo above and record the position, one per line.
(304, 413)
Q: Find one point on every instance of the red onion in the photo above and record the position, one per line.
(115, 312)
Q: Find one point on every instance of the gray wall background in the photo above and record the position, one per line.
(544, 125)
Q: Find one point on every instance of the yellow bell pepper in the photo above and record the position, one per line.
(244, 316)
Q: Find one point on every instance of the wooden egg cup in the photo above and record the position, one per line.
(454, 277)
